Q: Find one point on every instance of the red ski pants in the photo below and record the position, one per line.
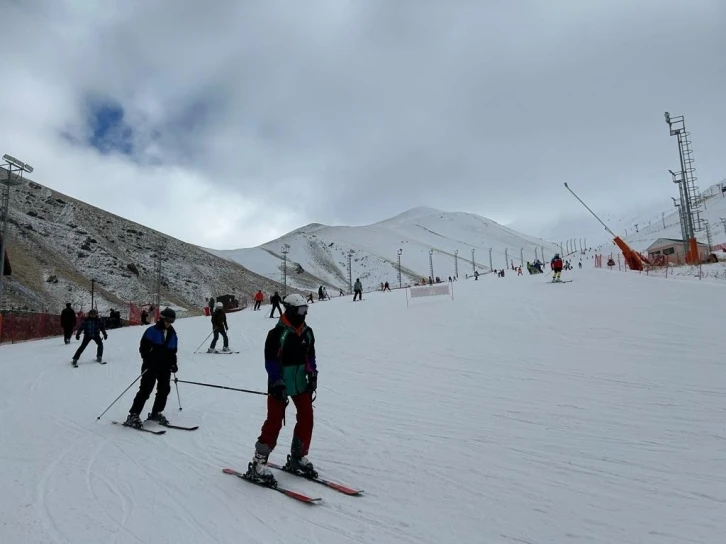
(275, 414)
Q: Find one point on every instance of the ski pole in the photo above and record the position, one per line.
(203, 341)
(178, 398)
(221, 387)
(122, 394)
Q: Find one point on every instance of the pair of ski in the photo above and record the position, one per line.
(152, 431)
(75, 365)
(294, 494)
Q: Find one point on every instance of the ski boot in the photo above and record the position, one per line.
(225, 349)
(74, 362)
(159, 418)
(99, 359)
(301, 466)
(212, 350)
(258, 471)
(133, 421)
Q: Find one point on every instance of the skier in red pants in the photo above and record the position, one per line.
(291, 371)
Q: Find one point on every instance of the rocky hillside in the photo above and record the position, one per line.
(57, 245)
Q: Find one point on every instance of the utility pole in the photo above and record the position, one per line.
(456, 263)
(521, 255)
(431, 264)
(285, 251)
(9, 179)
(473, 262)
(350, 270)
(92, 293)
(490, 258)
(506, 258)
(157, 272)
(398, 253)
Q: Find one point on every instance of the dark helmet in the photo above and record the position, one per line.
(169, 314)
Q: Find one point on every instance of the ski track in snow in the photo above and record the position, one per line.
(518, 413)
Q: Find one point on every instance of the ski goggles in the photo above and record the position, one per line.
(302, 310)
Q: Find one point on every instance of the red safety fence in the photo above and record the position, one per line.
(22, 326)
(135, 311)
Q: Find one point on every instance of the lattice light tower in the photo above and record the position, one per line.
(691, 202)
(11, 176)
(158, 257)
(431, 264)
(456, 263)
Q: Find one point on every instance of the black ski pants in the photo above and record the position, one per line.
(258, 303)
(275, 306)
(359, 294)
(87, 340)
(225, 340)
(156, 373)
(67, 334)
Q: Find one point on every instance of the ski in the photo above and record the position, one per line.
(292, 494)
(180, 427)
(141, 429)
(333, 485)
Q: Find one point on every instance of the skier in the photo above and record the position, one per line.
(158, 352)
(92, 328)
(275, 301)
(219, 326)
(556, 265)
(67, 322)
(357, 290)
(291, 371)
(259, 297)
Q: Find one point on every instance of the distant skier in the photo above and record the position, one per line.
(291, 371)
(275, 302)
(556, 265)
(219, 326)
(158, 349)
(68, 322)
(357, 290)
(92, 329)
(259, 297)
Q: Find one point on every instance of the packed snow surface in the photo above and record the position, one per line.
(520, 412)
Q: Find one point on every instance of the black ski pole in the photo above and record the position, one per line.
(203, 341)
(122, 394)
(221, 387)
(178, 398)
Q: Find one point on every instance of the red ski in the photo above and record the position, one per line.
(292, 494)
(333, 485)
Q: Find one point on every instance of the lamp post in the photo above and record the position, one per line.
(12, 167)
(398, 253)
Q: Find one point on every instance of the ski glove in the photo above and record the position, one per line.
(278, 391)
(312, 381)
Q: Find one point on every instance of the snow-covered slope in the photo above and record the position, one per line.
(58, 244)
(651, 227)
(521, 411)
(322, 251)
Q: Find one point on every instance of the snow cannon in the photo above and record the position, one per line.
(632, 258)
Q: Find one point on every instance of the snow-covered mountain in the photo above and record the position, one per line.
(58, 244)
(321, 251)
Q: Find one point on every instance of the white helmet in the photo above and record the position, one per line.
(294, 301)
(218, 305)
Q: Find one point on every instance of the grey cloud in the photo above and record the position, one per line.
(347, 112)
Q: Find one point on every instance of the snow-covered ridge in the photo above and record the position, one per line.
(322, 251)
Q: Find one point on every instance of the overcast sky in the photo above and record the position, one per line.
(227, 123)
